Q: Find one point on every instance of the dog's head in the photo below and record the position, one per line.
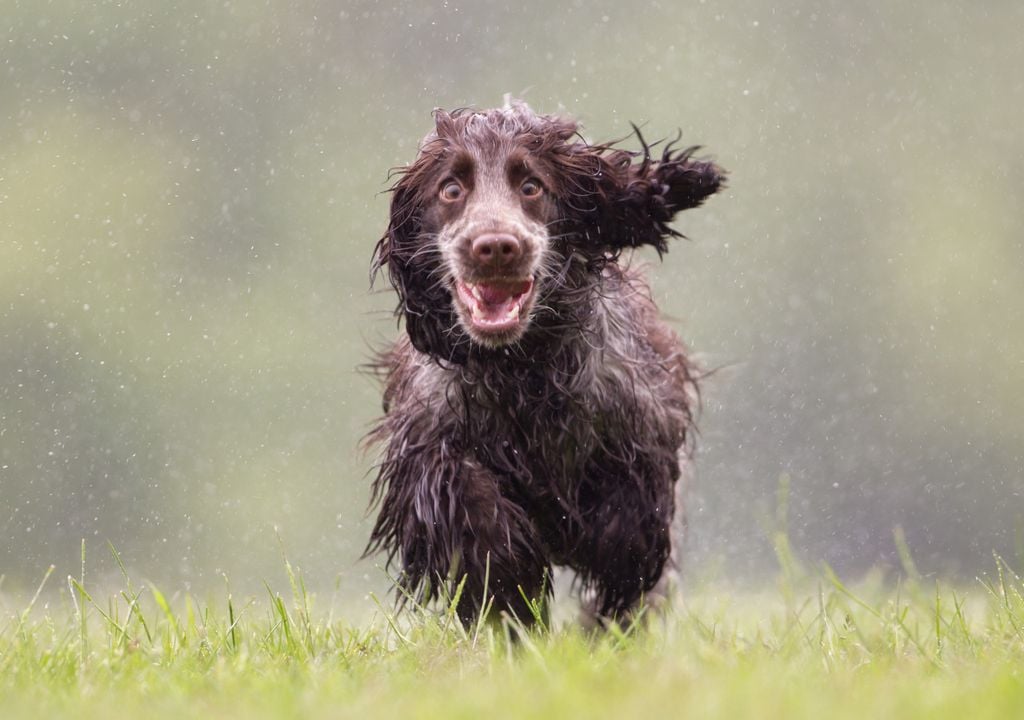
(495, 205)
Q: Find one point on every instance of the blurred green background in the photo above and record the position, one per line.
(189, 195)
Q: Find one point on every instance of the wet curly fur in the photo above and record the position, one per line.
(560, 444)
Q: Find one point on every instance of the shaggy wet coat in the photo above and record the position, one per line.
(537, 410)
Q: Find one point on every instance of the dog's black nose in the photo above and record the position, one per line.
(496, 249)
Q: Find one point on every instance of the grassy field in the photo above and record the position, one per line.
(810, 648)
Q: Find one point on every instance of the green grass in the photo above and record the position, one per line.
(810, 648)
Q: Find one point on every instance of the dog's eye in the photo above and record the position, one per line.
(451, 191)
(531, 188)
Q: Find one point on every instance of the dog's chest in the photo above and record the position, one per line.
(536, 434)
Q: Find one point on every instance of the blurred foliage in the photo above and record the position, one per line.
(189, 194)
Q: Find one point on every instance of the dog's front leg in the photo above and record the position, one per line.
(445, 517)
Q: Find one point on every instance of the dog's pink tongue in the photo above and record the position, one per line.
(495, 294)
(496, 300)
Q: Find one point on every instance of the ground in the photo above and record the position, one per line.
(809, 647)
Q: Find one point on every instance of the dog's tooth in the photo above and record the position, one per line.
(475, 289)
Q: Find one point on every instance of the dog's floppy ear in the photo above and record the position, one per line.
(411, 261)
(395, 248)
(623, 199)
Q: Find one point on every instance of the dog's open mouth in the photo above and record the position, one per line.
(495, 306)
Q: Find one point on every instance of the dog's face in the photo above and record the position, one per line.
(469, 242)
(490, 222)
(484, 222)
